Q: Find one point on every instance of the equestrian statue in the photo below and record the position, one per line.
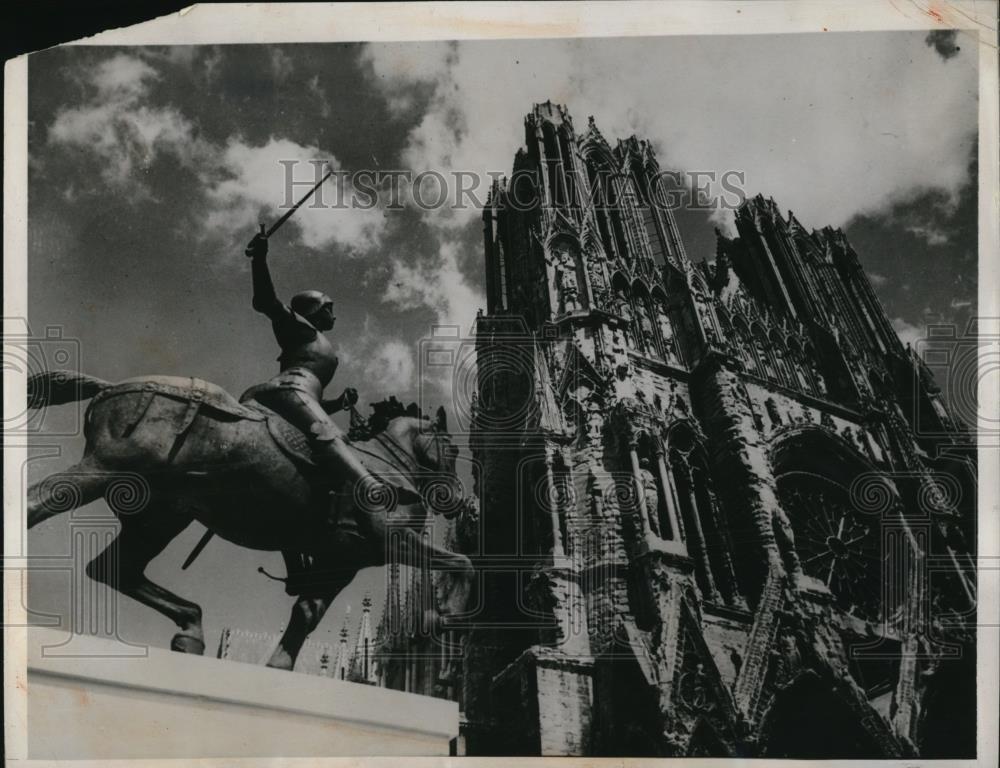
(270, 471)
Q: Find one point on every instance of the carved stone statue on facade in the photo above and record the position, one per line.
(595, 421)
(646, 328)
(623, 308)
(772, 412)
(666, 334)
(650, 494)
(818, 378)
(619, 354)
(705, 317)
(568, 284)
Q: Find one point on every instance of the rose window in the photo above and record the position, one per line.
(836, 544)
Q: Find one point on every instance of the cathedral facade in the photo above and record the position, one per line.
(723, 510)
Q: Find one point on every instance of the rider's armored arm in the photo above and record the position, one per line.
(264, 298)
(288, 328)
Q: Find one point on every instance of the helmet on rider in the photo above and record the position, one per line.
(316, 307)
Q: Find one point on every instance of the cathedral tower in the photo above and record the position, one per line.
(704, 501)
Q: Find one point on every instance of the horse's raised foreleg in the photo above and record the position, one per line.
(65, 491)
(307, 613)
(122, 566)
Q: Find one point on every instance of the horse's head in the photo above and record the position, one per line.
(435, 454)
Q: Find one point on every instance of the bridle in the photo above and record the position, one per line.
(407, 463)
(397, 451)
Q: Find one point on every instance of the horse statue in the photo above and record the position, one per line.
(187, 450)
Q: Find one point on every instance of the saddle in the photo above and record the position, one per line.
(190, 395)
(199, 394)
(292, 441)
(189, 389)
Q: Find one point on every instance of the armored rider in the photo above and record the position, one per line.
(308, 363)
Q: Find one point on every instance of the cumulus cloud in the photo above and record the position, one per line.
(833, 125)
(932, 235)
(201, 63)
(246, 179)
(436, 282)
(390, 367)
(317, 90)
(387, 366)
(120, 126)
(399, 68)
(123, 75)
(908, 332)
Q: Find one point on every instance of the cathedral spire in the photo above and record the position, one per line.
(364, 649)
(342, 665)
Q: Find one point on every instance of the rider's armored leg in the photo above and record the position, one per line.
(330, 448)
(331, 452)
(328, 444)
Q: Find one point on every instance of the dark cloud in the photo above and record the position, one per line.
(129, 277)
(924, 251)
(944, 41)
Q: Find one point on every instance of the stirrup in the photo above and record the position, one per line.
(293, 586)
(282, 579)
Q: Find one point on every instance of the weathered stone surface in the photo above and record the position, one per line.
(739, 442)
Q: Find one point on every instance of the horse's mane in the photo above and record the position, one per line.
(383, 413)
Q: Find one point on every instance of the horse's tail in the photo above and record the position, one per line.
(59, 387)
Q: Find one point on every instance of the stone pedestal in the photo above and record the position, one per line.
(103, 706)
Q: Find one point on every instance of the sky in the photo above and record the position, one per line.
(150, 169)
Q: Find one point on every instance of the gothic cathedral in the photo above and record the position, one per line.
(723, 510)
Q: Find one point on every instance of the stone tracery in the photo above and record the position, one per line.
(712, 379)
